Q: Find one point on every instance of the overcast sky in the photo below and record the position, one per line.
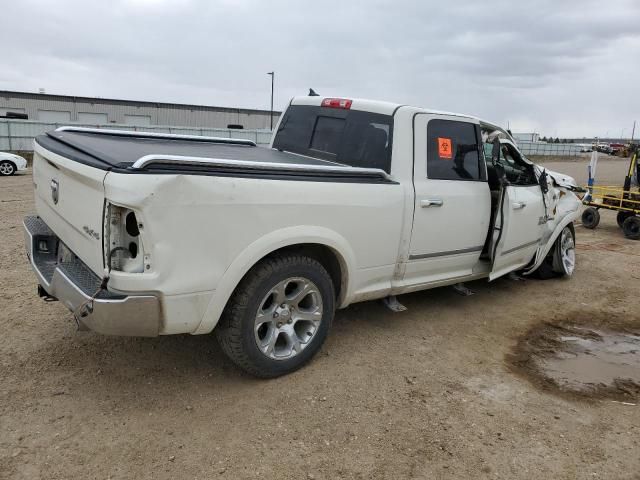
(561, 68)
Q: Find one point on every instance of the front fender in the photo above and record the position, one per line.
(570, 209)
(267, 244)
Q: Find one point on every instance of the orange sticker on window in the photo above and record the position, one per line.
(444, 148)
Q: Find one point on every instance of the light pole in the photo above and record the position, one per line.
(273, 74)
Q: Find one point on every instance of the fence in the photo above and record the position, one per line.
(18, 135)
(543, 148)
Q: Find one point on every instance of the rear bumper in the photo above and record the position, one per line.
(64, 276)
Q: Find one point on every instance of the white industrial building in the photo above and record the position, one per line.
(66, 109)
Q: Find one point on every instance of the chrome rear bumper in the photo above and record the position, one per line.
(69, 280)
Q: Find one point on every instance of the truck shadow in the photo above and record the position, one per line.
(184, 368)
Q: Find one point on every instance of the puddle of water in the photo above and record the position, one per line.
(598, 359)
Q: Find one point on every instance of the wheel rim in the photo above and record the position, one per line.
(288, 318)
(568, 251)
(6, 168)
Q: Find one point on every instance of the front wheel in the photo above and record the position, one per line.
(279, 316)
(561, 260)
(564, 255)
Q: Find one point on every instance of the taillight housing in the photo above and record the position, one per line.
(343, 103)
(123, 249)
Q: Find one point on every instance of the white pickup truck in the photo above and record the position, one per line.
(148, 234)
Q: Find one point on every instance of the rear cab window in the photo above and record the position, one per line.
(350, 137)
(454, 151)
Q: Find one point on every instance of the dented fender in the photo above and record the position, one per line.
(563, 208)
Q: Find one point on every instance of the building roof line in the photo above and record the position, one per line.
(75, 98)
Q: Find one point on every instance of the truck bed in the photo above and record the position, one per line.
(140, 152)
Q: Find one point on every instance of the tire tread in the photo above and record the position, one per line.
(229, 328)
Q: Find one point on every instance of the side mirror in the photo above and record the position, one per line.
(495, 151)
(544, 182)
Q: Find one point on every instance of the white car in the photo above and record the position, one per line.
(154, 234)
(10, 163)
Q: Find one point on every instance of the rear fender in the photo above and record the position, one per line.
(264, 246)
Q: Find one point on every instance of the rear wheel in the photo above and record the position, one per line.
(590, 218)
(7, 168)
(631, 228)
(622, 216)
(279, 316)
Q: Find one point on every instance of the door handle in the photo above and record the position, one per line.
(519, 205)
(431, 202)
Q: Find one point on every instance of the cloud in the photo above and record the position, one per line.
(561, 68)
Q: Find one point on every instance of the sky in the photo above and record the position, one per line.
(567, 68)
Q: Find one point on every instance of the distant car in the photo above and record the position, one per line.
(10, 164)
(603, 148)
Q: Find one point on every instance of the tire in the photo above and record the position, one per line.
(545, 270)
(7, 168)
(564, 252)
(622, 216)
(590, 218)
(631, 228)
(560, 262)
(272, 291)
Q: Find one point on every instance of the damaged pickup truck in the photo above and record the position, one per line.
(149, 234)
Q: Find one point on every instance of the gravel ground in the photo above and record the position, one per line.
(427, 393)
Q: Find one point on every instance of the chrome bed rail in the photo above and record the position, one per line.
(168, 136)
(149, 160)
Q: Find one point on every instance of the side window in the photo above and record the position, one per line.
(453, 151)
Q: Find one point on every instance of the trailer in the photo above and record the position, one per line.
(625, 200)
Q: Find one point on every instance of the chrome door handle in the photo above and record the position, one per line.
(431, 202)
(519, 205)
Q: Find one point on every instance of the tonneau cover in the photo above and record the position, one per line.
(107, 150)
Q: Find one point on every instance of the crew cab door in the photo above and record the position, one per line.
(521, 213)
(452, 208)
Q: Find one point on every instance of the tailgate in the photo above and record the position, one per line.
(69, 197)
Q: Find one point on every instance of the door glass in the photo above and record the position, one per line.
(453, 151)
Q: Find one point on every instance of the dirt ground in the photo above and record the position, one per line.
(423, 394)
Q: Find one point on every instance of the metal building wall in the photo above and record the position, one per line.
(18, 135)
(120, 111)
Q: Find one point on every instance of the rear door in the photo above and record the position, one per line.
(520, 220)
(452, 199)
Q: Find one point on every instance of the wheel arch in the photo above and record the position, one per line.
(324, 245)
(543, 252)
